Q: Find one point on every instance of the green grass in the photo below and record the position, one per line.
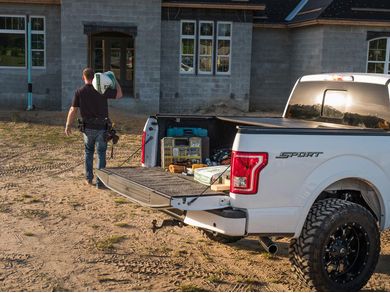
(214, 279)
(191, 288)
(108, 243)
(121, 200)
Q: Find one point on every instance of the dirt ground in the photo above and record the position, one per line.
(57, 234)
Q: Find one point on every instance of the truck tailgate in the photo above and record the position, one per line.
(152, 187)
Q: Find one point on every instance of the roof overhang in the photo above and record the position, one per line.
(44, 2)
(211, 5)
(341, 22)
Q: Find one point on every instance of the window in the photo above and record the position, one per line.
(224, 39)
(187, 46)
(206, 43)
(379, 56)
(13, 41)
(38, 41)
(204, 49)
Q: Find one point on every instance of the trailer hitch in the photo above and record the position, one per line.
(166, 223)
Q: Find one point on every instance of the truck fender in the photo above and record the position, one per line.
(340, 168)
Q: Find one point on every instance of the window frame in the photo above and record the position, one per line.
(387, 59)
(24, 32)
(200, 38)
(44, 41)
(188, 37)
(224, 38)
(21, 32)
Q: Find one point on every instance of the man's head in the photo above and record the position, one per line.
(88, 75)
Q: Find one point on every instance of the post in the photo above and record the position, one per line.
(29, 66)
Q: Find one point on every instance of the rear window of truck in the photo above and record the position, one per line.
(347, 103)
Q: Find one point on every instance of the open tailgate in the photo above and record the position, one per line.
(155, 188)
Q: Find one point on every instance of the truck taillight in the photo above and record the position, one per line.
(245, 171)
(143, 147)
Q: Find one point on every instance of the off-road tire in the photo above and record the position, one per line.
(224, 239)
(310, 253)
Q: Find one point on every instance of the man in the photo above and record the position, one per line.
(94, 113)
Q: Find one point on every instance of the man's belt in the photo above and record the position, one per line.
(96, 123)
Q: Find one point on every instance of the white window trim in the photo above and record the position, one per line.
(387, 60)
(44, 41)
(230, 38)
(25, 40)
(192, 37)
(212, 48)
(16, 32)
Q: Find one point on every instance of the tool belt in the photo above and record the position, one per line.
(99, 124)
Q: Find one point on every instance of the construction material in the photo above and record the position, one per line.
(209, 175)
(220, 187)
(187, 132)
(177, 169)
(183, 150)
(104, 81)
(197, 166)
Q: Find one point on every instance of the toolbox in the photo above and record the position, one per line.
(183, 150)
(187, 132)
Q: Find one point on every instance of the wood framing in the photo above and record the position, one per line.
(44, 2)
(232, 6)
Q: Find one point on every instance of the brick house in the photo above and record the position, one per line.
(179, 56)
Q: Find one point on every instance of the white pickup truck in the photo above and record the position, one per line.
(320, 175)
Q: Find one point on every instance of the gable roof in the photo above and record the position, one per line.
(299, 12)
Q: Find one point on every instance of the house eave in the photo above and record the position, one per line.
(214, 6)
(340, 22)
(42, 2)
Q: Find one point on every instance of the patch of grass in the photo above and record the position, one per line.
(108, 244)
(122, 225)
(5, 208)
(121, 200)
(180, 252)
(191, 288)
(35, 200)
(29, 234)
(41, 214)
(214, 279)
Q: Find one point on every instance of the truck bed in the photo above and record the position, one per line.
(152, 187)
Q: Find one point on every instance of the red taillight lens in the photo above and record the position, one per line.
(143, 148)
(246, 167)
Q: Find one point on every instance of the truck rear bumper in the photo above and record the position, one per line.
(226, 221)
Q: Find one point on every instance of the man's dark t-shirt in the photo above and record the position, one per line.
(92, 104)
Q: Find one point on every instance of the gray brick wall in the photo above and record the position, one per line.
(270, 70)
(46, 82)
(306, 51)
(146, 15)
(188, 93)
(345, 48)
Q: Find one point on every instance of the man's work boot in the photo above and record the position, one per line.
(88, 182)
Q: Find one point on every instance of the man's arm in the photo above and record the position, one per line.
(119, 93)
(71, 117)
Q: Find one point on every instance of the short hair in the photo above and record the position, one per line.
(88, 73)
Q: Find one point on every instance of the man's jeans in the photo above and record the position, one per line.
(92, 137)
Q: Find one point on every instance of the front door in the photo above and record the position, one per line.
(114, 52)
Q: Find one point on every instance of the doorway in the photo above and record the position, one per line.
(114, 52)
